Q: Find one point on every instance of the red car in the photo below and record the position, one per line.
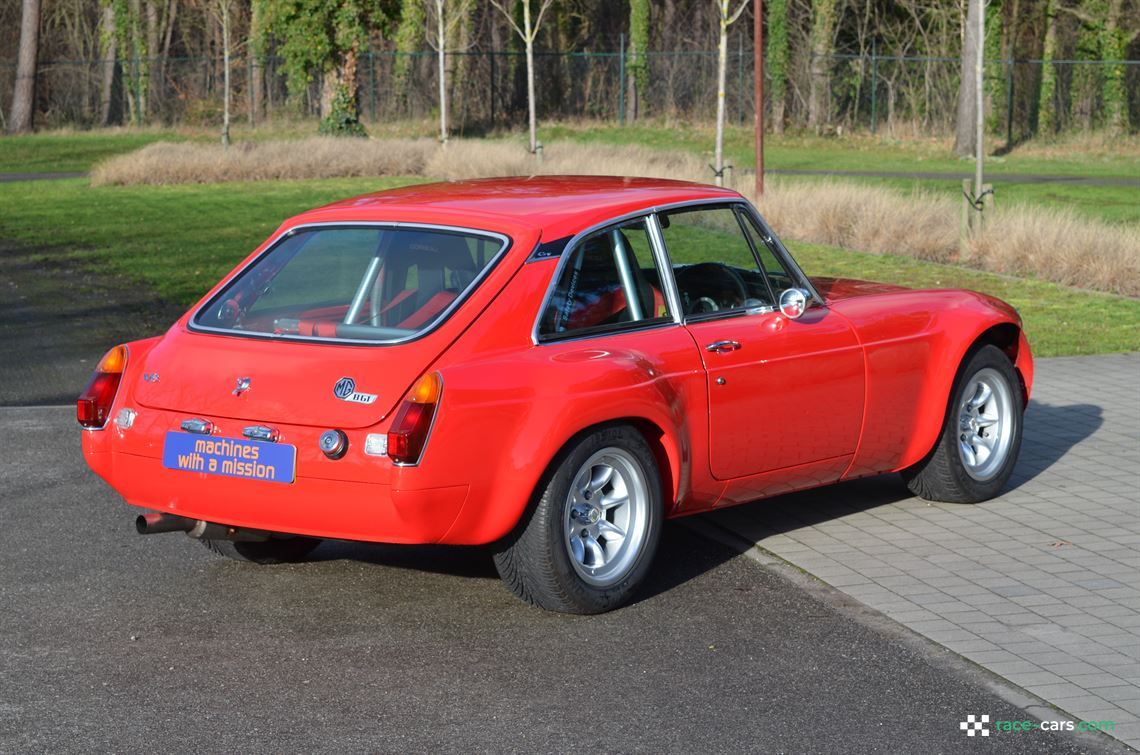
(552, 366)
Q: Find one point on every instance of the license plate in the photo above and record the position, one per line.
(229, 457)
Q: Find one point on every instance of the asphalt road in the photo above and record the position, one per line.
(114, 642)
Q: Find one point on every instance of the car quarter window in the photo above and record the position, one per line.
(593, 290)
(713, 262)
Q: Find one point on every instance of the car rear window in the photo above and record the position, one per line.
(353, 283)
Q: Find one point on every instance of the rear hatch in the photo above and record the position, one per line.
(288, 382)
(276, 350)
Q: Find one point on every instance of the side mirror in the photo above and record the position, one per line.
(793, 303)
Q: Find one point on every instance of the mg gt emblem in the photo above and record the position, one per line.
(345, 390)
(242, 386)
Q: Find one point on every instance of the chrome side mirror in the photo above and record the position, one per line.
(793, 303)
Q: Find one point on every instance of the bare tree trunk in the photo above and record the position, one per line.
(152, 32)
(530, 34)
(965, 135)
(721, 69)
(256, 68)
(24, 96)
(822, 32)
(226, 74)
(441, 49)
(109, 42)
(724, 19)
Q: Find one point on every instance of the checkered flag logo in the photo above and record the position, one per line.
(975, 725)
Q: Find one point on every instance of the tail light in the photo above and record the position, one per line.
(410, 429)
(94, 404)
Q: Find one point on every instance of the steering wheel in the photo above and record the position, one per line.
(712, 283)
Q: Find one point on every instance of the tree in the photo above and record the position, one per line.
(223, 15)
(1114, 41)
(409, 34)
(725, 18)
(824, 14)
(24, 96)
(638, 66)
(108, 48)
(446, 15)
(965, 136)
(324, 37)
(527, 32)
(778, 60)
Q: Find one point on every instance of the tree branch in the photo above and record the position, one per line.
(510, 18)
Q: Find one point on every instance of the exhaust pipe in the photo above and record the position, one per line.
(154, 523)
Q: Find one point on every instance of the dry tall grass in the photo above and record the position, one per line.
(1019, 240)
(314, 157)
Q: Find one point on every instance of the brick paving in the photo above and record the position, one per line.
(1040, 585)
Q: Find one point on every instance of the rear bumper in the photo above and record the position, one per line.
(318, 507)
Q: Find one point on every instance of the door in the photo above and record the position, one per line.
(781, 392)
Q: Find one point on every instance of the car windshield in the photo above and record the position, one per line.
(356, 283)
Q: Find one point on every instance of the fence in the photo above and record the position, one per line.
(488, 90)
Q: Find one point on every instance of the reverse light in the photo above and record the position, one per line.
(94, 404)
(410, 429)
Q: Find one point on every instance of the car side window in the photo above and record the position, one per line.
(593, 291)
(779, 276)
(713, 261)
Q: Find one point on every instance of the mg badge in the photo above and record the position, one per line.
(242, 386)
(150, 377)
(345, 390)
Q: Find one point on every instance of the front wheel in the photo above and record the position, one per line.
(981, 438)
(590, 538)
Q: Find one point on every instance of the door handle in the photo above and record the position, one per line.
(722, 347)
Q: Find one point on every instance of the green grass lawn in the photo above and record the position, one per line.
(69, 152)
(179, 240)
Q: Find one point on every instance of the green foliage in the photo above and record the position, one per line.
(1048, 122)
(319, 36)
(409, 39)
(778, 47)
(135, 56)
(639, 45)
(344, 116)
(996, 74)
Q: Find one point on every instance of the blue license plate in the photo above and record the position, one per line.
(229, 457)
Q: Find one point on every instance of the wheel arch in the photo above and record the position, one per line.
(662, 444)
(1007, 336)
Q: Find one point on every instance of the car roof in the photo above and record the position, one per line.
(556, 206)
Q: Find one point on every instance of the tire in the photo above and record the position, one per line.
(567, 555)
(284, 550)
(981, 435)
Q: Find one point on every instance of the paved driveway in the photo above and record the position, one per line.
(114, 642)
(1041, 585)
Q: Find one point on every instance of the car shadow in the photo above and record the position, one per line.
(684, 555)
(681, 557)
(1050, 432)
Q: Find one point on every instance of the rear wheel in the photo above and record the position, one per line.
(981, 438)
(591, 537)
(284, 550)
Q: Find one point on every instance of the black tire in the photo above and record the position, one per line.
(284, 550)
(535, 563)
(943, 475)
